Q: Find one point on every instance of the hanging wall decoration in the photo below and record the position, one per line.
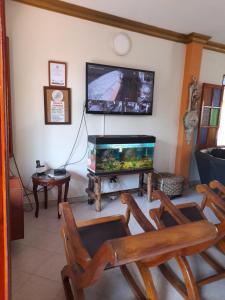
(191, 116)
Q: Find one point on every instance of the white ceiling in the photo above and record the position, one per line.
(201, 16)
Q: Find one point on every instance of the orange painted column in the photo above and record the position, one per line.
(192, 68)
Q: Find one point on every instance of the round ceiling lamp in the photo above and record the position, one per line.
(122, 44)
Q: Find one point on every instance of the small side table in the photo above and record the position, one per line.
(46, 181)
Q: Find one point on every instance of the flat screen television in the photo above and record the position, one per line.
(118, 90)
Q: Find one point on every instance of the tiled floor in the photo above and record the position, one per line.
(38, 259)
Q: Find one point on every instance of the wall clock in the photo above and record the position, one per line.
(122, 44)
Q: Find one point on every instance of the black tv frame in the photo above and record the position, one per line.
(118, 113)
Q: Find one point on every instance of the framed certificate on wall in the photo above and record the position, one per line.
(57, 73)
(57, 104)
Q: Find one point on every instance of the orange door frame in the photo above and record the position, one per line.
(4, 258)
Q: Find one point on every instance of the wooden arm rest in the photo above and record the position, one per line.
(171, 208)
(152, 244)
(104, 256)
(71, 235)
(127, 199)
(215, 184)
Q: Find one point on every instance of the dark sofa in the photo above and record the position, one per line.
(211, 164)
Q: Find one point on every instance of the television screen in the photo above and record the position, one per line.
(117, 90)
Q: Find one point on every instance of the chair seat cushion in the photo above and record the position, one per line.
(192, 213)
(93, 236)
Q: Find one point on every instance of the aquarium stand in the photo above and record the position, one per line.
(94, 186)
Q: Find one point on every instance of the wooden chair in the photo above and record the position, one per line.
(220, 189)
(100, 244)
(170, 215)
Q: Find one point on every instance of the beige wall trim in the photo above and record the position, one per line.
(197, 38)
(127, 24)
(214, 46)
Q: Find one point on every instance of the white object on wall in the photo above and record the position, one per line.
(122, 44)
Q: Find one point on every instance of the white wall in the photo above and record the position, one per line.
(213, 67)
(37, 36)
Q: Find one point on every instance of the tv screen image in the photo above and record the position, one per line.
(118, 90)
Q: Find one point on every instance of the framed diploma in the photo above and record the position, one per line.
(57, 73)
(57, 104)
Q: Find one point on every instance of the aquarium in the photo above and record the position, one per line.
(120, 154)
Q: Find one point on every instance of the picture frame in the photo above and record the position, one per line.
(57, 105)
(57, 73)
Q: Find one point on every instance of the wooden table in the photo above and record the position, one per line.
(46, 181)
(94, 186)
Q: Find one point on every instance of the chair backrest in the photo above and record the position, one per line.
(133, 208)
(219, 187)
(167, 203)
(212, 200)
(75, 251)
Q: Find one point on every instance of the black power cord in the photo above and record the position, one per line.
(78, 161)
(68, 163)
(24, 188)
(76, 139)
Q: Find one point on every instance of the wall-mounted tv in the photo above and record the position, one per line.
(118, 90)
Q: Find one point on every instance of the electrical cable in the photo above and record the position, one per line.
(28, 191)
(24, 188)
(11, 172)
(76, 139)
(78, 161)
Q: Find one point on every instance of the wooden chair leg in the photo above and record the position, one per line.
(189, 288)
(174, 280)
(132, 283)
(148, 281)
(189, 279)
(71, 294)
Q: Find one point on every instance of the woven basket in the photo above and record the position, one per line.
(170, 184)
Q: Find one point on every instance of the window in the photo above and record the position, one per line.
(221, 131)
(211, 102)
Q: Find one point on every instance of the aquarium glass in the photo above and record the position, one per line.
(106, 158)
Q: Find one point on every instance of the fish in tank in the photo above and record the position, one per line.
(120, 153)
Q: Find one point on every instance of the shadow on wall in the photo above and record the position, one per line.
(162, 161)
(194, 174)
(78, 184)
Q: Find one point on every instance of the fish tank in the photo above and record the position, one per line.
(120, 153)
